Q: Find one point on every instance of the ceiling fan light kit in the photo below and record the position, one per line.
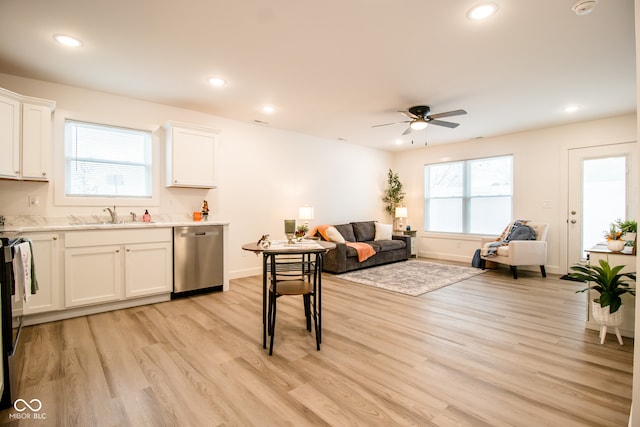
(419, 118)
(419, 124)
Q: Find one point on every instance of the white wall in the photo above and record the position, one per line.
(264, 174)
(540, 180)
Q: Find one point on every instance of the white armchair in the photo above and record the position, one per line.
(520, 252)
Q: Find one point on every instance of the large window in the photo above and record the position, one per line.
(470, 196)
(106, 161)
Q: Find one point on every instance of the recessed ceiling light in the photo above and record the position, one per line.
(217, 81)
(570, 108)
(268, 109)
(67, 40)
(482, 11)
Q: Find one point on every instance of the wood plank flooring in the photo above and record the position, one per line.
(488, 351)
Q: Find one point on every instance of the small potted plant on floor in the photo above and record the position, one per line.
(610, 284)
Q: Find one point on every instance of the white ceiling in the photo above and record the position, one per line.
(334, 68)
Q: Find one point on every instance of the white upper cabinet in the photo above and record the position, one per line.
(25, 136)
(191, 152)
(9, 136)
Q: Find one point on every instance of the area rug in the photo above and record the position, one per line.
(411, 277)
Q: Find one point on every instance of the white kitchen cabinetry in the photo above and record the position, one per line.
(110, 265)
(148, 269)
(191, 152)
(9, 135)
(25, 136)
(47, 259)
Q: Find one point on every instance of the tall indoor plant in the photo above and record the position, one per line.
(393, 195)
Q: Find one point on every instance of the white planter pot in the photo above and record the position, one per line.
(602, 315)
(615, 245)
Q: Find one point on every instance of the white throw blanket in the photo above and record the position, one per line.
(24, 272)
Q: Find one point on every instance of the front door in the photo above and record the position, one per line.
(602, 182)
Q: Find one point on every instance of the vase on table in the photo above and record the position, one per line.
(615, 245)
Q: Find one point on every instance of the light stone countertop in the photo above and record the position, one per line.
(30, 224)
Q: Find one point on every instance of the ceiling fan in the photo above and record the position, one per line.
(420, 118)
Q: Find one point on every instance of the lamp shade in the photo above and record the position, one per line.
(401, 212)
(305, 212)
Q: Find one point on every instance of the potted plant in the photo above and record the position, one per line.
(629, 228)
(614, 237)
(610, 284)
(393, 195)
(301, 230)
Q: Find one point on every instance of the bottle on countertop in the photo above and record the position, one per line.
(146, 217)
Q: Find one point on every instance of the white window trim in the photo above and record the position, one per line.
(60, 199)
(465, 197)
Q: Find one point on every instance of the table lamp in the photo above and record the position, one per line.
(305, 213)
(401, 213)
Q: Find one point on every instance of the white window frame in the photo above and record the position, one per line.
(466, 197)
(61, 199)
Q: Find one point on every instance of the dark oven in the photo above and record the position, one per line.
(11, 316)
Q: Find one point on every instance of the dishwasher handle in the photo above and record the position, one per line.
(200, 234)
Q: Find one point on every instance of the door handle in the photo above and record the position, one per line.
(573, 221)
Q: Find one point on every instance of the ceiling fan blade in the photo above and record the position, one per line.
(387, 124)
(408, 131)
(443, 123)
(447, 114)
(409, 114)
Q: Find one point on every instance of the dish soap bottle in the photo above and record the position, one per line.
(146, 217)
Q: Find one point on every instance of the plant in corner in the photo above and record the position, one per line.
(393, 195)
(608, 281)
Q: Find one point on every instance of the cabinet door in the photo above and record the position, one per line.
(93, 275)
(148, 269)
(46, 257)
(190, 158)
(9, 137)
(36, 140)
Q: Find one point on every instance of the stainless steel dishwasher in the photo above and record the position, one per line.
(197, 259)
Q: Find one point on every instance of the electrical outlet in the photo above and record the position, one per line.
(34, 201)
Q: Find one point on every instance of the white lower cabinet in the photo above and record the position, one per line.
(109, 265)
(148, 269)
(92, 275)
(47, 257)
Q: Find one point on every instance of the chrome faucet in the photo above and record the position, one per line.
(133, 216)
(112, 212)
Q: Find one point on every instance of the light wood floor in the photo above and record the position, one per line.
(488, 351)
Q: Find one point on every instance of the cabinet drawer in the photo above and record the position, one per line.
(74, 239)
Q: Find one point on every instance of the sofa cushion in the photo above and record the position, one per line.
(364, 231)
(389, 245)
(384, 231)
(334, 235)
(346, 231)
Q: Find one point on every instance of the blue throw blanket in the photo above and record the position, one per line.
(519, 230)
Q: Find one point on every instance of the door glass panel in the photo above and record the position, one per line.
(604, 197)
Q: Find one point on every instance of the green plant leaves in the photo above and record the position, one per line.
(607, 280)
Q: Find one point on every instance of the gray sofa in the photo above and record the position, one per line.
(344, 258)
